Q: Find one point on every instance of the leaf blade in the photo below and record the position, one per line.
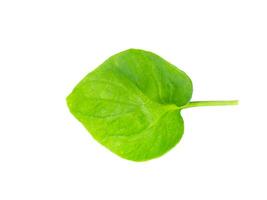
(130, 104)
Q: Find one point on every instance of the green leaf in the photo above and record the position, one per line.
(131, 104)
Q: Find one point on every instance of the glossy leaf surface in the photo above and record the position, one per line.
(131, 104)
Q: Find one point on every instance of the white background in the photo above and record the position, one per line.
(47, 47)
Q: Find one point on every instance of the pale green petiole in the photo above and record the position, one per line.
(210, 103)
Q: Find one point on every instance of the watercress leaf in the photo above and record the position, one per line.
(131, 104)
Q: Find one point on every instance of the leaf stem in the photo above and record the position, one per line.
(210, 103)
